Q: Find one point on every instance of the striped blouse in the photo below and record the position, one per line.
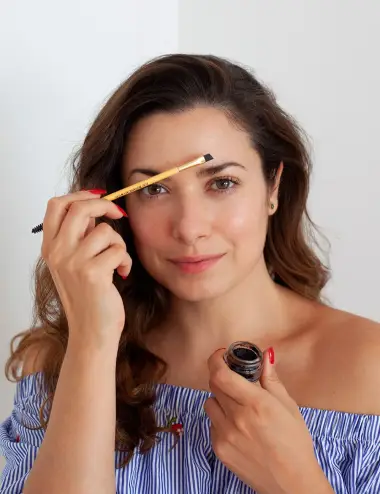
(346, 446)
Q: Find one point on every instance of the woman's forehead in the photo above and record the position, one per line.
(164, 140)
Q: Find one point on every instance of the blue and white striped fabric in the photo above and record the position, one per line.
(346, 445)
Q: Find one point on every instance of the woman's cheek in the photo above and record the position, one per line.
(245, 218)
(148, 229)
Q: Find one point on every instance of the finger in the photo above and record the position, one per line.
(91, 225)
(229, 406)
(115, 257)
(79, 215)
(223, 379)
(215, 414)
(57, 209)
(100, 238)
(270, 381)
(103, 237)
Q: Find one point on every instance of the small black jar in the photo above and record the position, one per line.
(245, 359)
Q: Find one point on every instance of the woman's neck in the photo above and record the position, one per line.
(256, 310)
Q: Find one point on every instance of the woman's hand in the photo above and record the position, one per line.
(82, 259)
(259, 433)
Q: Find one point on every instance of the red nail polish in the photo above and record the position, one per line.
(271, 355)
(98, 191)
(122, 211)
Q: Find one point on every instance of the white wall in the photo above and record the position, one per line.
(322, 60)
(58, 62)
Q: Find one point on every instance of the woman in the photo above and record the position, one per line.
(133, 315)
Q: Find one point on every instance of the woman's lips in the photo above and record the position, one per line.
(195, 264)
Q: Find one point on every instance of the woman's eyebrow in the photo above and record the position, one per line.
(202, 171)
(214, 169)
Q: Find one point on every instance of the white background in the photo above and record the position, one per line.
(59, 62)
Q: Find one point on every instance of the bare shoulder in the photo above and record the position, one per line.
(347, 353)
(337, 324)
(351, 333)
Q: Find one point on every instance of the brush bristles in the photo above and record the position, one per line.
(38, 229)
(208, 157)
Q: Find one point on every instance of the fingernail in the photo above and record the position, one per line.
(98, 191)
(95, 191)
(271, 355)
(122, 211)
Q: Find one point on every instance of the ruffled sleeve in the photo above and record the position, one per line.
(347, 447)
(20, 435)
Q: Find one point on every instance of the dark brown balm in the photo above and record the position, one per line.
(245, 359)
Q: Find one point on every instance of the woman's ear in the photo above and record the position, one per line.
(273, 198)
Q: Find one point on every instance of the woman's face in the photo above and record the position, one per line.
(201, 232)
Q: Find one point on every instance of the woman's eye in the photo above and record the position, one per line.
(222, 184)
(153, 190)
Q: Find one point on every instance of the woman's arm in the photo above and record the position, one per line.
(77, 454)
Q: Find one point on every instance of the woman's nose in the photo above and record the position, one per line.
(191, 221)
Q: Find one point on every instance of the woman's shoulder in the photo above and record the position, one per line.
(346, 358)
(356, 335)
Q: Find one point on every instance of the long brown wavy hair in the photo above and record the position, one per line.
(175, 83)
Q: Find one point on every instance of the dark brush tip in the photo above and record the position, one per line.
(38, 229)
(208, 157)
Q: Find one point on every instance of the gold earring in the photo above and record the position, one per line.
(271, 205)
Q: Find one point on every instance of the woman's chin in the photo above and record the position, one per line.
(196, 292)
